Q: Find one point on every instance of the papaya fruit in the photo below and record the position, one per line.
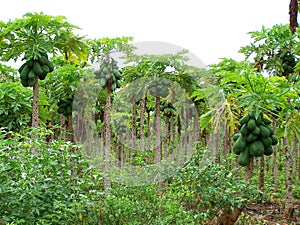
(236, 136)
(24, 82)
(244, 119)
(266, 121)
(268, 150)
(240, 144)
(22, 67)
(251, 137)
(270, 129)
(49, 64)
(37, 69)
(259, 120)
(31, 82)
(31, 74)
(256, 131)
(25, 71)
(43, 60)
(117, 74)
(257, 148)
(244, 157)
(244, 130)
(264, 131)
(266, 141)
(274, 140)
(251, 124)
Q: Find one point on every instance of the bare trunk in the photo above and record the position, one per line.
(157, 148)
(142, 129)
(249, 169)
(293, 11)
(275, 167)
(35, 103)
(172, 130)
(289, 200)
(262, 175)
(166, 131)
(107, 134)
(121, 151)
(196, 122)
(148, 132)
(63, 127)
(70, 136)
(294, 156)
(133, 135)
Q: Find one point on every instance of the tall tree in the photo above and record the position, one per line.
(293, 11)
(102, 49)
(34, 35)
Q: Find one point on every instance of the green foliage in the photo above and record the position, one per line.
(56, 186)
(15, 106)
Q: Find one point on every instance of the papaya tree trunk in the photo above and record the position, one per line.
(63, 127)
(107, 134)
(35, 103)
(293, 11)
(148, 131)
(289, 200)
(121, 151)
(294, 156)
(142, 123)
(70, 136)
(133, 134)
(196, 122)
(275, 167)
(166, 131)
(262, 175)
(157, 147)
(249, 169)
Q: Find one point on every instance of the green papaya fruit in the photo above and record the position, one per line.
(244, 157)
(236, 136)
(244, 130)
(251, 137)
(268, 150)
(256, 131)
(257, 148)
(43, 60)
(37, 68)
(25, 71)
(274, 140)
(264, 131)
(251, 124)
(266, 121)
(31, 74)
(31, 82)
(266, 141)
(240, 144)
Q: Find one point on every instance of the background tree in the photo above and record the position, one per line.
(32, 36)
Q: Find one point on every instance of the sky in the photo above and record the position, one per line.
(210, 30)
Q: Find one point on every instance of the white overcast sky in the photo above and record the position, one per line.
(210, 29)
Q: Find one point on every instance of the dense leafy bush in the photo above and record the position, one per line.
(56, 186)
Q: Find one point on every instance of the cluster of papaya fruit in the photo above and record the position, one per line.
(159, 87)
(41, 67)
(255, 138)
(109, 69)
(65, 106)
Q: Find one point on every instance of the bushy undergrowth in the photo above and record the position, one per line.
(59, 186)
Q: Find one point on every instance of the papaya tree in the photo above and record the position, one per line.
(33, 38)
(102, 50)
(275, 53)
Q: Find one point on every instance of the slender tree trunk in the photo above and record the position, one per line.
(166, 132)
(289, 200)
(157, 148)
(142, 127)
(63, 127)
(133, 135)
(70, 136)
(148, 131)
(196, 122)
(35, 103)
(172, 135)
(107, 134)
(275, 167)
(294, 157)
(262, 175)
(249, 169)
(121, 151)
(293, 11)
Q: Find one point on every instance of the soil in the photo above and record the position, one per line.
(270, 213)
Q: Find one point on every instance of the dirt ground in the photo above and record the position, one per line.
(270, 213)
